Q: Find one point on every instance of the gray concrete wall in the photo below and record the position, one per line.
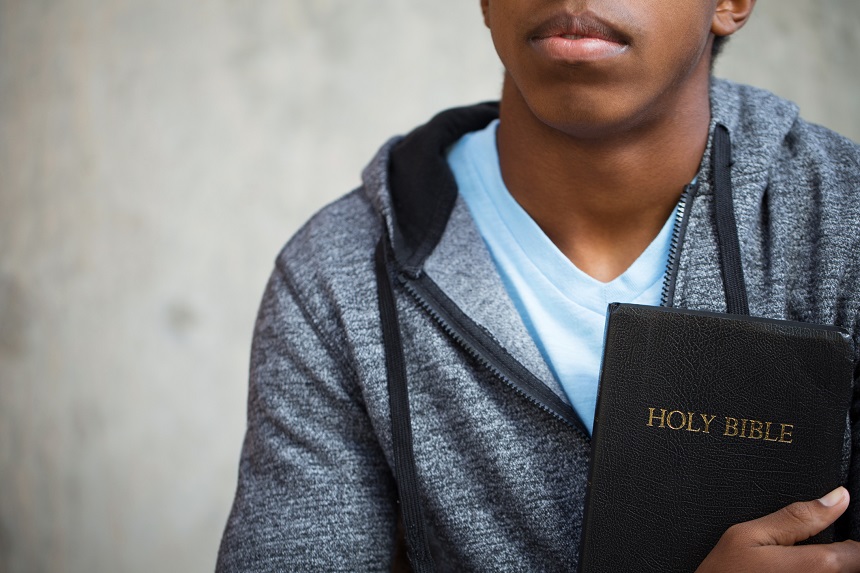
(154, 156)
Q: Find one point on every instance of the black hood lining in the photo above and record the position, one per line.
(423, 189)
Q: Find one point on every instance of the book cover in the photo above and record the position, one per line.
(705, 420)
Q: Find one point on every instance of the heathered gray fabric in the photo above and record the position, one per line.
(470, 287)
(502, 482)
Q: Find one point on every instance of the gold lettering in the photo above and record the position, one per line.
(767, 437)
(734, 427)
(755, 430)
(731, 427)
(669, 419)
(690, 423)
(786, 434)
(652, 417)
(743, 428)
(707, 422)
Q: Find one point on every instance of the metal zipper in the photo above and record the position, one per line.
(416, 290)
(678, 232)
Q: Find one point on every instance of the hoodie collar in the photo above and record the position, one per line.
(410, 183)
(758, 122)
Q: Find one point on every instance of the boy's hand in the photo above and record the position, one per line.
(767, 544)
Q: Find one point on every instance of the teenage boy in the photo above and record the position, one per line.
(495, 246)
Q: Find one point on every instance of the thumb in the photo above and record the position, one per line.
(799, 521)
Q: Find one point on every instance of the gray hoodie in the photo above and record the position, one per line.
(501, 457)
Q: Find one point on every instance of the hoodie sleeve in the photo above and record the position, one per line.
(315, 492)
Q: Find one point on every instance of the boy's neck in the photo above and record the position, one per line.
(602, 199)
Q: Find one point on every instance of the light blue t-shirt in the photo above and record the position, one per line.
(563, 308)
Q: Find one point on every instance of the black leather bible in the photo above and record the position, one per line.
(705, 420)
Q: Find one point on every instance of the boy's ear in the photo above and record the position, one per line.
(730, 16)
(485, 9)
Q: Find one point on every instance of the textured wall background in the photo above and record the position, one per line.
(154, 156)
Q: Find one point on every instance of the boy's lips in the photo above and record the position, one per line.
(575, 38)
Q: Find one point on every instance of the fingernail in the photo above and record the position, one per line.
(833, 497)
